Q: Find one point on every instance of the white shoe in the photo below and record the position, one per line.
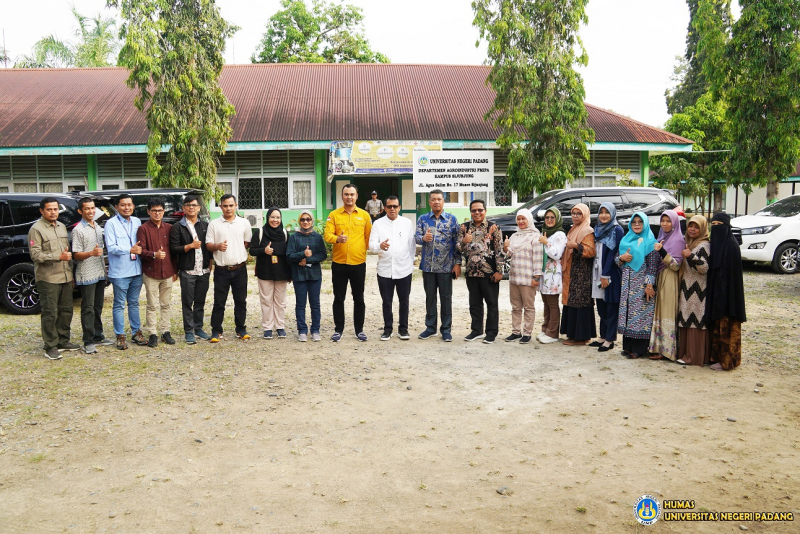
(539, 336)
(547, 339)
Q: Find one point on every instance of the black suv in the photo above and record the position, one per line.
(627, 200)
(173, 201)
(18, 212)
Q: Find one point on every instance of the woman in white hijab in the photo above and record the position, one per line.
(526, 270)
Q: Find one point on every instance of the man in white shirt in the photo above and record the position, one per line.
(392, 238)
(228, 238)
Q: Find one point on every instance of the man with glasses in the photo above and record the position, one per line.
(392, 238)
(187, 242)
(440, 264)
(481, 245)
(158, 271)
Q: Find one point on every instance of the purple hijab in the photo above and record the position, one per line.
(673, 242)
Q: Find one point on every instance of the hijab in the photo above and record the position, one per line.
(579, 231)
(640, 245)
(521, 238)
(725, 278)
(691, 244)
(672, 241)
(605, 233)
(548, 231)
(276, 236)
(310, 228)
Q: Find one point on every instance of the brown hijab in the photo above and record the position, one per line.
(702, 222)
(578, 231)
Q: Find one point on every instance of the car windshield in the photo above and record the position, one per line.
(787, 207)
(534, 204)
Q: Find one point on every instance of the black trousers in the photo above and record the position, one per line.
(194, 288)
(443, 284)
(92, 296)
(236, 282)
(609, 316)
(342, 274)
(484, 290)
(387, 287)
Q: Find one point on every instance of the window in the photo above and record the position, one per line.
(5, 214)
(51, 188)
(263, 179)
(595, 201)
(109, 187)
(565, 205)
(25, 211)
(640, 201)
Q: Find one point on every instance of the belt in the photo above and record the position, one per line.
(232, 267)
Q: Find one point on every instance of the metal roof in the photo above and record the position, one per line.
(280, 102)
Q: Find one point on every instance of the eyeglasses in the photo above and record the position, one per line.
(193, 206)
(549, 218)
(156, 211)
(477, 210)
(392, 207)
(578, 213)
(306, 219)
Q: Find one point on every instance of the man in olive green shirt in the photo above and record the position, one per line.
(52, 267)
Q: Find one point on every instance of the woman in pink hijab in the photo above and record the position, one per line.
(577, 317)
(670, 245)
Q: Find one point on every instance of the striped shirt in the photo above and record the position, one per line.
(527, 255)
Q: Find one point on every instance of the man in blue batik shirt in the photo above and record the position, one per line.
(125, 270)
(437, 232)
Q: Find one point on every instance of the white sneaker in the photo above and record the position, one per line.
(539, 336)
(547, 339)
(302, 338)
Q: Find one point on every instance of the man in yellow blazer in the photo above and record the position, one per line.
(348, 228)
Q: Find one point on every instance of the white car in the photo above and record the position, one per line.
(772, 234)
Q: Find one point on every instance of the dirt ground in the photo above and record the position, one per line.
(397, 436)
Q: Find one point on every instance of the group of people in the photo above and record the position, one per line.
(670, 297)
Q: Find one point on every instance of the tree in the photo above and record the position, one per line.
(755, 69)
(96, 46)
(173, 49)
(533, 48)
(326, 33)
(690, 81)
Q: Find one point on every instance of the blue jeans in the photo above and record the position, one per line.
(126, 290)
(307, 290)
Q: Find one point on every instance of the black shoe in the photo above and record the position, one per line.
(524, 340)
(387, 335)
(514, 337)
(167, 338)
(403, 334)
(604, 348)
(152, 341)
(595, 344)
(68, 346)
(472, 336)
(489, 339)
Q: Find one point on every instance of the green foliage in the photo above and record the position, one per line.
(755, 69)
(173, 49)
(622, 177)
(533, 48)
(688, 75)
(96, 46)
(325, 33)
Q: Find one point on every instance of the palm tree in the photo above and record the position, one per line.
(96, 46)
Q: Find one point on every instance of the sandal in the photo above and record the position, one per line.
(655, 357)
(632, 356)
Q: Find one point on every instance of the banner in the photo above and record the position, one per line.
(454, 170)
(376, 157)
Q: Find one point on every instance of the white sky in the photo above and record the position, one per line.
(631, 44)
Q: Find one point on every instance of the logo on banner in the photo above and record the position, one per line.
(423, 160)
(647, 510)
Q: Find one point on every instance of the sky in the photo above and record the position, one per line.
(631, 44)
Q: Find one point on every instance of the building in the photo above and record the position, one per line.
(72, 129)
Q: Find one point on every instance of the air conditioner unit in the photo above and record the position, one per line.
(254, 217)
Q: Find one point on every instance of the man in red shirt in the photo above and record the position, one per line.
(158, 270)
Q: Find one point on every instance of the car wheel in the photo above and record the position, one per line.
(18, 291)
(785, 259)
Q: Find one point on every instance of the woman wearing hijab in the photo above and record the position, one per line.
(525, 275)
(606, 275)
(305, 251)
(670, 246)
(693, 330)
(639, 262)
(577, 321)
(725, 308)
(272, 271)
(555, 243)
